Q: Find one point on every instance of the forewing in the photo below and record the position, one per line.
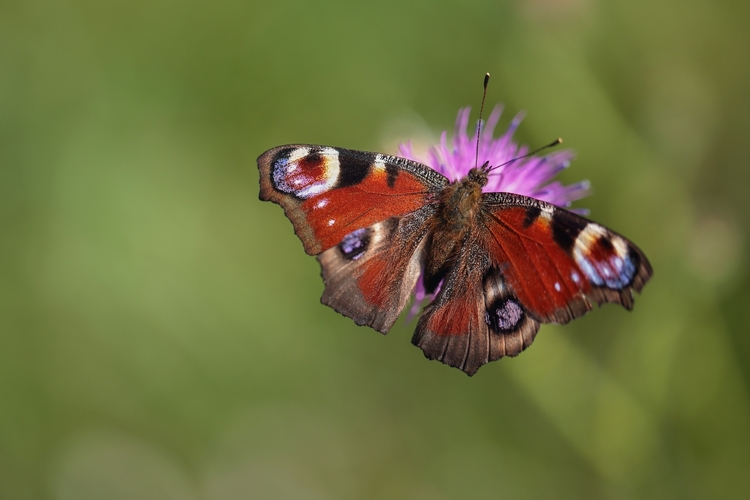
(330, 192)
(556, 262)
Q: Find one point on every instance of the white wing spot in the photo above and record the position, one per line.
(321, 203)
(379, 163)
(557, 286)
(331, 222)
(297, 155)
(546, 213)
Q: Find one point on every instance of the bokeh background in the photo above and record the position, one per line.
(160, 330)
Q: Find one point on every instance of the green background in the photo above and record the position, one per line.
(160, 330)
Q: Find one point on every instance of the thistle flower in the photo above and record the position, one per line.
(530, 176)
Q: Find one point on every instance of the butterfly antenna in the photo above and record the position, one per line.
(550, 145)
(481, 110)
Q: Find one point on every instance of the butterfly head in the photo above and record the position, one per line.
(479, 175)
(462, 199)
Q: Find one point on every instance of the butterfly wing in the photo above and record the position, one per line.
(475, 317)
(558, 263)
(329, 192)
(527, 262)
(365, 216)
(370, 275)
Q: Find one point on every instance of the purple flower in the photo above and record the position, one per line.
(530, 176)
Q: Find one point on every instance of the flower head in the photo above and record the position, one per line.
(532, 176)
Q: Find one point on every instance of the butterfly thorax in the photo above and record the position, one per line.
(460, 205)
(460, 202)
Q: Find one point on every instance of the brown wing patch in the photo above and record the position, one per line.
(370, 275)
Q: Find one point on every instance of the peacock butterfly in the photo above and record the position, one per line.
(499, 263)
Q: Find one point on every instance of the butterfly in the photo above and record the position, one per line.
(499, 264)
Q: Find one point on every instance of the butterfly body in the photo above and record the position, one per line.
(458, 209)
(499, 264)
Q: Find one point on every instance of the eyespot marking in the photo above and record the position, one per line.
(504, 315)
(355, 244)
(305, 172)
(604, 257)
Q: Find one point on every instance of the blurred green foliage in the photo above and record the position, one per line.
(160, 330)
